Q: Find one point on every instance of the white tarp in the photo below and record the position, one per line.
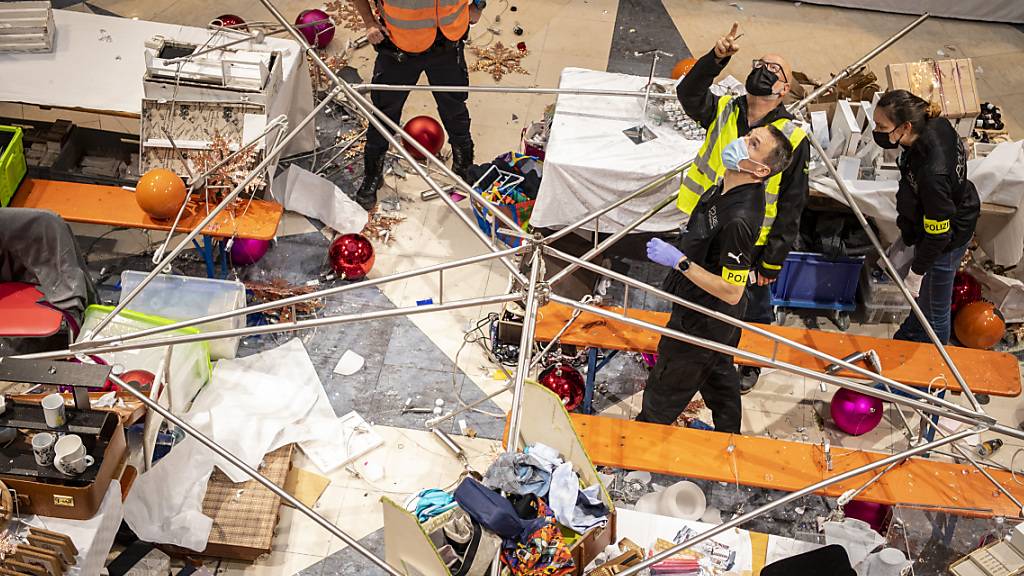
(589, 163)
(317, 197)
(98, 62)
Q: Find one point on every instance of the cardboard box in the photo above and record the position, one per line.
(950, 83)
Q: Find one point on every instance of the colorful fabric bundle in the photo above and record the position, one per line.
(544, 552)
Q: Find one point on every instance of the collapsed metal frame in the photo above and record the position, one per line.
(537, 290)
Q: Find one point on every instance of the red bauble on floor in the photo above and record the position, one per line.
(566, 381)
(428, 132)
(351, 256)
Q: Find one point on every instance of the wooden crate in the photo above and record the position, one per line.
(26, 27)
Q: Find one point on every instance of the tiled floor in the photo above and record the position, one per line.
(419, 352)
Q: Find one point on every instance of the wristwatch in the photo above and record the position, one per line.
(683, 265)
(481, 4)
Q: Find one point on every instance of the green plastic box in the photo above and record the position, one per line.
(12, 162)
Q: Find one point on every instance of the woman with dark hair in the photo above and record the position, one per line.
(937, 205)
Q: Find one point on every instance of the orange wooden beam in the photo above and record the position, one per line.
(912, 363)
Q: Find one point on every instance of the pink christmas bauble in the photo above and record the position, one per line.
(245, 251)
(317, 26)
(870, 512)
(855, 413)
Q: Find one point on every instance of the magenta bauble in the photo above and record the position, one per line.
(245, 251)
(566, 381)
(229, 21)
(316, 26)
(428, 132)
(870, 512)
(855, 413)
(966, 290)
(351, 256)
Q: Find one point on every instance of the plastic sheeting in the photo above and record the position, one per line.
(317, 197)
(589, 163)
(999, 178)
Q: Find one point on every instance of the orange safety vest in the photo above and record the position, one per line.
(413, 24)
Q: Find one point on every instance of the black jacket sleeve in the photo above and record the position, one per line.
(936, 196)
(792, 199)
(694, 90)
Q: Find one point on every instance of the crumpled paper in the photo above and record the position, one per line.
(317, 197)
(252, 406)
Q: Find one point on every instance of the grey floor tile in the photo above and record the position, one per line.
(348, 562)
(410, 347)
(424, 387)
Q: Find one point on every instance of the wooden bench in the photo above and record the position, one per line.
(790, 466)
(912, 363)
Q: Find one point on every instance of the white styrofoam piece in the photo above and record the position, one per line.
(845, 128)
(252, 126)
(849, 167)
(819, 127)
(349, 363)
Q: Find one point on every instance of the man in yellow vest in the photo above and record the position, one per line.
(727, 118)
(413, 37)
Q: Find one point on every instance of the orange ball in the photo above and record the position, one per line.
(979, 325)
(682, 68)
(160, 193)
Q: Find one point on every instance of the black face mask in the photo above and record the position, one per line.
(882, 139)
(761, 81)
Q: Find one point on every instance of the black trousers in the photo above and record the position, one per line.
(444, 67)
(683, 370)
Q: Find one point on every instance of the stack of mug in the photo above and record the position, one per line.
(65, 452)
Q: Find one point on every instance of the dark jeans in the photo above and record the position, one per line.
(936, 294)
(683, 370)
(444, 67)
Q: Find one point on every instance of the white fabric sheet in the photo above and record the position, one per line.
(589, 163)
(999, 178)
(252, 406)
(85, 71)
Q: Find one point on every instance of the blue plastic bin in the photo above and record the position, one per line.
(809, 280)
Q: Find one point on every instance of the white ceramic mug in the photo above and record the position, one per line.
(42, 448)
(70, 457)
(53, 410)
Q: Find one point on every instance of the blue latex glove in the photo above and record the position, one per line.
(661, 252)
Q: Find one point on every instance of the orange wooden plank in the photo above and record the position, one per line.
(789, 466)
(115, 206)
(912, 363)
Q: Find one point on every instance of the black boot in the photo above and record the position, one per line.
(373, 178)
(462, 159)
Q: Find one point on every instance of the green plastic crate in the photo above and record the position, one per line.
(12, 162)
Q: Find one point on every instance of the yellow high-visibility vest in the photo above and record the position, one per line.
(707, 167)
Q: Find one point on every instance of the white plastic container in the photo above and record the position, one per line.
(185, 298)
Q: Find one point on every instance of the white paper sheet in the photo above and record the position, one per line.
(349, 363)
(316, 197)
(590, 163)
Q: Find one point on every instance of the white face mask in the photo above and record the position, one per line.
(736, 152)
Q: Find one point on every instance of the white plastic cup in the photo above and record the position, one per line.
(53, 410)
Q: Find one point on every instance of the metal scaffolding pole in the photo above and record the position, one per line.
(394, 133)
(509, 90)
(281, 327)
(798, 370)
(739, 520)
(198, 229)
(255, 475)
(891, 270)
(864, 372)
(525, 350)
(291, 300)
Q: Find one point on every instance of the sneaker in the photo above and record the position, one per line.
(748, 378)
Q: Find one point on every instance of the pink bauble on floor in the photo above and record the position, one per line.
(317, 26)
(855, 413)
(870, 512)
(428, 132)
(245, 251)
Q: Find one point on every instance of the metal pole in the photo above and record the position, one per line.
(299, 298)
(891, 270)
(255, 475)
(841, 362)
(508, 90)
(739, 520)
(525, 352)
(798, 370)
(267, 160)
(384, 125)
(281, 327)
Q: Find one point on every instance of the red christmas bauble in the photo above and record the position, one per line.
(142, 380)
(855, 413)
(229, 21)
(566, 381)
(979, 325)
(428, 132)
(317, 26)
(351, 256)
(966, 290)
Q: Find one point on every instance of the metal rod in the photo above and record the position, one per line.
(525, 352)
(647, 94)
(509, 90)
(255, 475)
(739, 520)
(297, 299)
(891, 270)
(798, 370)
(463, 409)
(770, 335)
(440, 286)
(270, 158)
(283, 326)
(344, 149)
(394, 133)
